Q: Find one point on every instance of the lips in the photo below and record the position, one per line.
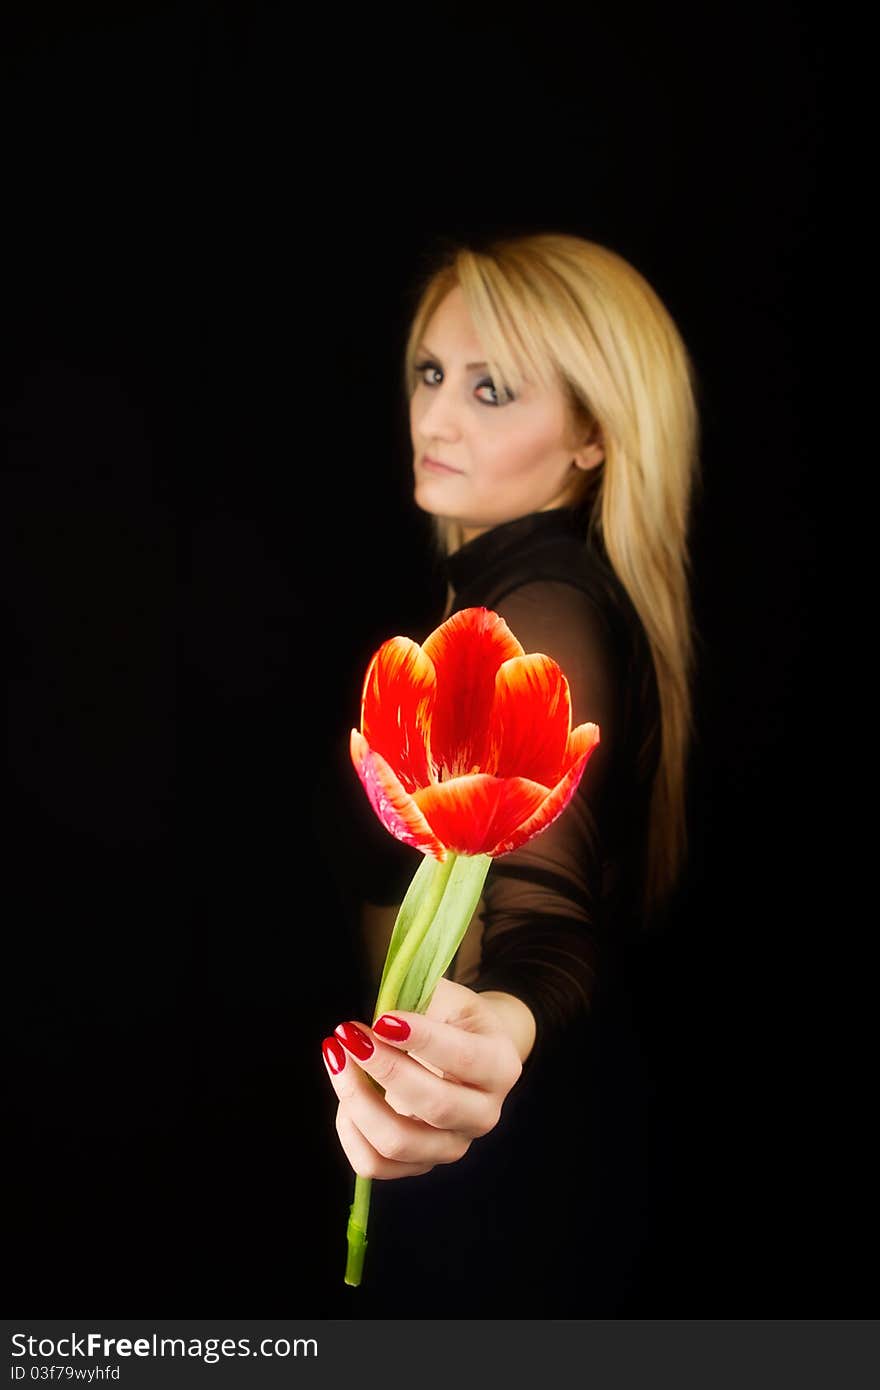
(438, 464)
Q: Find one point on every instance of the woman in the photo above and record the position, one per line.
(555, 443)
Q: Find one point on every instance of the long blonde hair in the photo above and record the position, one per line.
(569, 312)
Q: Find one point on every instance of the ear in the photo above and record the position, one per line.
(588, 456)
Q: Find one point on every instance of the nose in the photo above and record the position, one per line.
(436, 416)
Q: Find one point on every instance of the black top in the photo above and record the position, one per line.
(548, 907)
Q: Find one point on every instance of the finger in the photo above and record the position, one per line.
(459, 1035)
(419, 1097)
(389, 1135)
(360, 1154)
(364, 1159)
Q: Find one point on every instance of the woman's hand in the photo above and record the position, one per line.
(445, 1081)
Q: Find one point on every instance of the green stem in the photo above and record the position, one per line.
(356, 1232)
(359, 1210)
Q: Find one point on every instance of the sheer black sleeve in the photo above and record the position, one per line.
(538, 931)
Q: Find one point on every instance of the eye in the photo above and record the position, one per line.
(421, 367)
(489, 384)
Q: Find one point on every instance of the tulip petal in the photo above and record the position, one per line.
(470, 814)
(530, 720)
(582, 742)
(398, 696)
(466, 652)
(393, 805)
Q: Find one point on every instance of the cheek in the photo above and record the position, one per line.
(513, 452)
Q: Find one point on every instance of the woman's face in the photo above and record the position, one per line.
(478, 459)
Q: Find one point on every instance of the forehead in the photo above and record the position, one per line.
(452, 319)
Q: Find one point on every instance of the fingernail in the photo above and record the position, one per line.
(394, 1029)
(355, 1040)
(334, 1055)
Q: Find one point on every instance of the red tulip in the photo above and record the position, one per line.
(466, 743)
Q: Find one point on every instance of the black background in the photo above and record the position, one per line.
(217, 215)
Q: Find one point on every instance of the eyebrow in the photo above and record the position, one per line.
(469, 366)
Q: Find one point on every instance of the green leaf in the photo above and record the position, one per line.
(409, 912)
(433, 918)
(447, 930)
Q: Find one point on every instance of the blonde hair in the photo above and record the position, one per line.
(570, 313)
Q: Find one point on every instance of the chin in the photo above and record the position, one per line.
(423, 499)
(422, 502)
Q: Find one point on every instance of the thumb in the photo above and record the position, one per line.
(463, 1008)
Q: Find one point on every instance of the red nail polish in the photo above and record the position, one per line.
(355, 1040)
(334, 1055)
(394, 1029)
